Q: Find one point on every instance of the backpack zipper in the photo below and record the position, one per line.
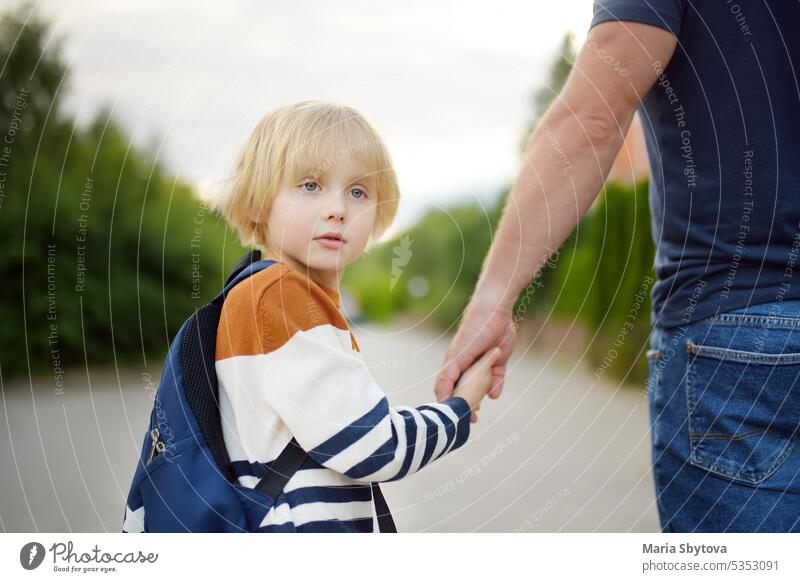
(157, 447)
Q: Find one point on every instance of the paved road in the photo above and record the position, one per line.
(560, 451)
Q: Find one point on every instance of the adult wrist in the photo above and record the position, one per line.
(492, 297)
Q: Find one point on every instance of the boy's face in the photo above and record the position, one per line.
(342, 201)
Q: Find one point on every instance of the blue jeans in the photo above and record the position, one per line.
(724, 402)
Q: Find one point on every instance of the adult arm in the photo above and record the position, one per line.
(564, 166)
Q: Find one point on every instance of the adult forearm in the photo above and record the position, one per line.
(564, 166)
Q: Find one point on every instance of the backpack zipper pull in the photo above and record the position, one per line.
(155, 447)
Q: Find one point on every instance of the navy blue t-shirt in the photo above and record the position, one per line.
(722, 127)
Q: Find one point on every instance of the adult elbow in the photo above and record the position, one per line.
(600, 128)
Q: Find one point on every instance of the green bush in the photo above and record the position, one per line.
(98, 260)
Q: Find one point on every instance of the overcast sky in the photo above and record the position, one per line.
(447, 84)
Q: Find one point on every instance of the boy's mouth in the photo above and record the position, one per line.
(330, 240)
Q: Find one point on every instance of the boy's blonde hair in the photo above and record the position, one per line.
(303, 140)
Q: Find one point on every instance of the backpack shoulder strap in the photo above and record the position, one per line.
(282, 469)
(198, 379)
(246, 266)
(385, 521)
(248, 259)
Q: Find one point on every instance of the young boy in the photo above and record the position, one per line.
(312, 186)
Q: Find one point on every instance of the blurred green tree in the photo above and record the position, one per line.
(104, 253)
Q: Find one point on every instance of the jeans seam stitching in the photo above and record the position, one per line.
(742, 355)
(757, 320)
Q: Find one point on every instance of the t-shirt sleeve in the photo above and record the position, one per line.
(666, 14)
(325, 394)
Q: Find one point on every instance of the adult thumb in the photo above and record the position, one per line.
(446, 380)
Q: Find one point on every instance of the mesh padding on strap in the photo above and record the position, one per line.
(200, 381)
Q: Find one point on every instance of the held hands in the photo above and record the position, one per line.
(476, 380)
(484, 326)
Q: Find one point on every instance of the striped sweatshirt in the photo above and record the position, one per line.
(289, 366)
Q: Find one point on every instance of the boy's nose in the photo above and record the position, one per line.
(335, 215)
(335, 209)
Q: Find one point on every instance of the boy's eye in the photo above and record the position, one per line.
(310, 186)
(358, 193)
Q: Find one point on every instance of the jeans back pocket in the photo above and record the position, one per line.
(743, 406)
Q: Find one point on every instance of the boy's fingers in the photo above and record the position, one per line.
(490, 357)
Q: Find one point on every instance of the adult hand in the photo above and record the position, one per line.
(483, 327)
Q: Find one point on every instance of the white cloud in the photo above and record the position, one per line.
(446, 83)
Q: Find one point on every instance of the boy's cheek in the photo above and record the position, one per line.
(358, 244)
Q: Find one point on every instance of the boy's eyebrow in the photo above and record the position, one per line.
(370, 178)
(322, 174)
(361, 178)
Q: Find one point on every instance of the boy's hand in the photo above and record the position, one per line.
(484, 326)
(476, 380)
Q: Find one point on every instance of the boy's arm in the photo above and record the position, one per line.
(329, 400)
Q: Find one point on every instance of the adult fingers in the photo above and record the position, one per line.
(498, 378)
(446, 380)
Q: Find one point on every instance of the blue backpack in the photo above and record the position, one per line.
(184, 481)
